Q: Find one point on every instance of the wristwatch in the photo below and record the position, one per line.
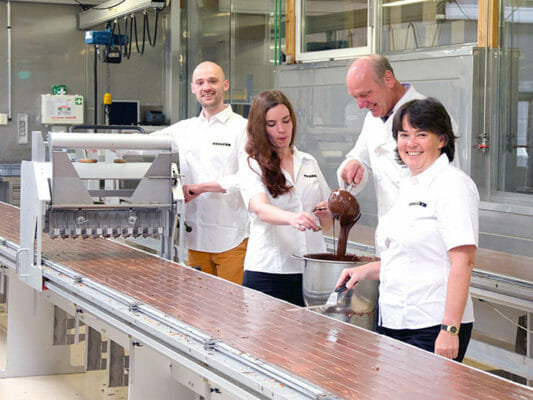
(454, 330)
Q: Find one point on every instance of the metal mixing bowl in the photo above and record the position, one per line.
(319, 279)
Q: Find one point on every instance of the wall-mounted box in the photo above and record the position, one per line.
(61, 109)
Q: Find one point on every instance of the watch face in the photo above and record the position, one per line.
(450, 328)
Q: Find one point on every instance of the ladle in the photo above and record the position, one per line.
(344, 207)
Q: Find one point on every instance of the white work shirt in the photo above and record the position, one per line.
(270, 247)
(436, 210)
(211, 150)
(375, 149)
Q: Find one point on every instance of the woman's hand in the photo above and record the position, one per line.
(356, 274)
(462, 263)
(352, 273)
(447, 345)
(321, 210)
(303, 221)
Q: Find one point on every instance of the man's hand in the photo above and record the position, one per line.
(353, 172)
(192, 191)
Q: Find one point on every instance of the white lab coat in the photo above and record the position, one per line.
(212, 150)
(375, 149)
(270, 247)
(436, 211)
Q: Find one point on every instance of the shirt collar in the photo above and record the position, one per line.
(298, 154)
(425, 177)
(298, 159)
(222, 116)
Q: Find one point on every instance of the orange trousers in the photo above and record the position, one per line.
(228, 265)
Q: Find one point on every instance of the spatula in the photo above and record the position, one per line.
(333, 298)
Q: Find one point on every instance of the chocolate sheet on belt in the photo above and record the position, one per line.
(342, 359)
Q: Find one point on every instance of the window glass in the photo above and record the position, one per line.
(329, 28)
(239, 36)
(515, 172)
(413, 24)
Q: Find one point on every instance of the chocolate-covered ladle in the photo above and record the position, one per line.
(344, 207)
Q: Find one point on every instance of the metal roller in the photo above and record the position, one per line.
(109, 141)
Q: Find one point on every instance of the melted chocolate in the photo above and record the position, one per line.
(345, 208)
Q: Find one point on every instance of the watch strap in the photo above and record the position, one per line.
(454, 330)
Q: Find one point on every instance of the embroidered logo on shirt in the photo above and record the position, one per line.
(310, 175)
(221, 144)
(418, 203)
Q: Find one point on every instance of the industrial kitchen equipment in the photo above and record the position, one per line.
(321, 272)
(57, 196)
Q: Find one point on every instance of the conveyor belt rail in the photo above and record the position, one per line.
(148, 323)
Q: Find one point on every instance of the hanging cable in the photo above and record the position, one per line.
(128, 37)
(141, 50)
(146, 26)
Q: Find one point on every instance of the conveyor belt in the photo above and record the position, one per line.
(342, 359)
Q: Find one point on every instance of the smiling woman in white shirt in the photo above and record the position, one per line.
(428, 240)
(286, 195)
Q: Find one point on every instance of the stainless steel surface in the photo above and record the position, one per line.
(335, 296)
(112, 141)
(56, 200)
(319, 280)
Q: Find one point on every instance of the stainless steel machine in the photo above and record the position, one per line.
(66, 198)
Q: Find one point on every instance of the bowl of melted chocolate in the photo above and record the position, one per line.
(322, 270)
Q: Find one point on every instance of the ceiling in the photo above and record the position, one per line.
(88, 2)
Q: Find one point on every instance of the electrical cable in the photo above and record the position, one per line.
(415, 38)
(146, 26)
(528, 331)
(460, 6)
(513, 9)
(83, 6)
(128, 38)
(140, 51)
(435, 34)
(117, 24)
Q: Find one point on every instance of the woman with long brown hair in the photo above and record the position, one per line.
(286, 195)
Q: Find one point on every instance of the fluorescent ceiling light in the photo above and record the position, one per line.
(402, 3)
(114, 9)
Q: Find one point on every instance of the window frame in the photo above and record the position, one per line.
(337, 54)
